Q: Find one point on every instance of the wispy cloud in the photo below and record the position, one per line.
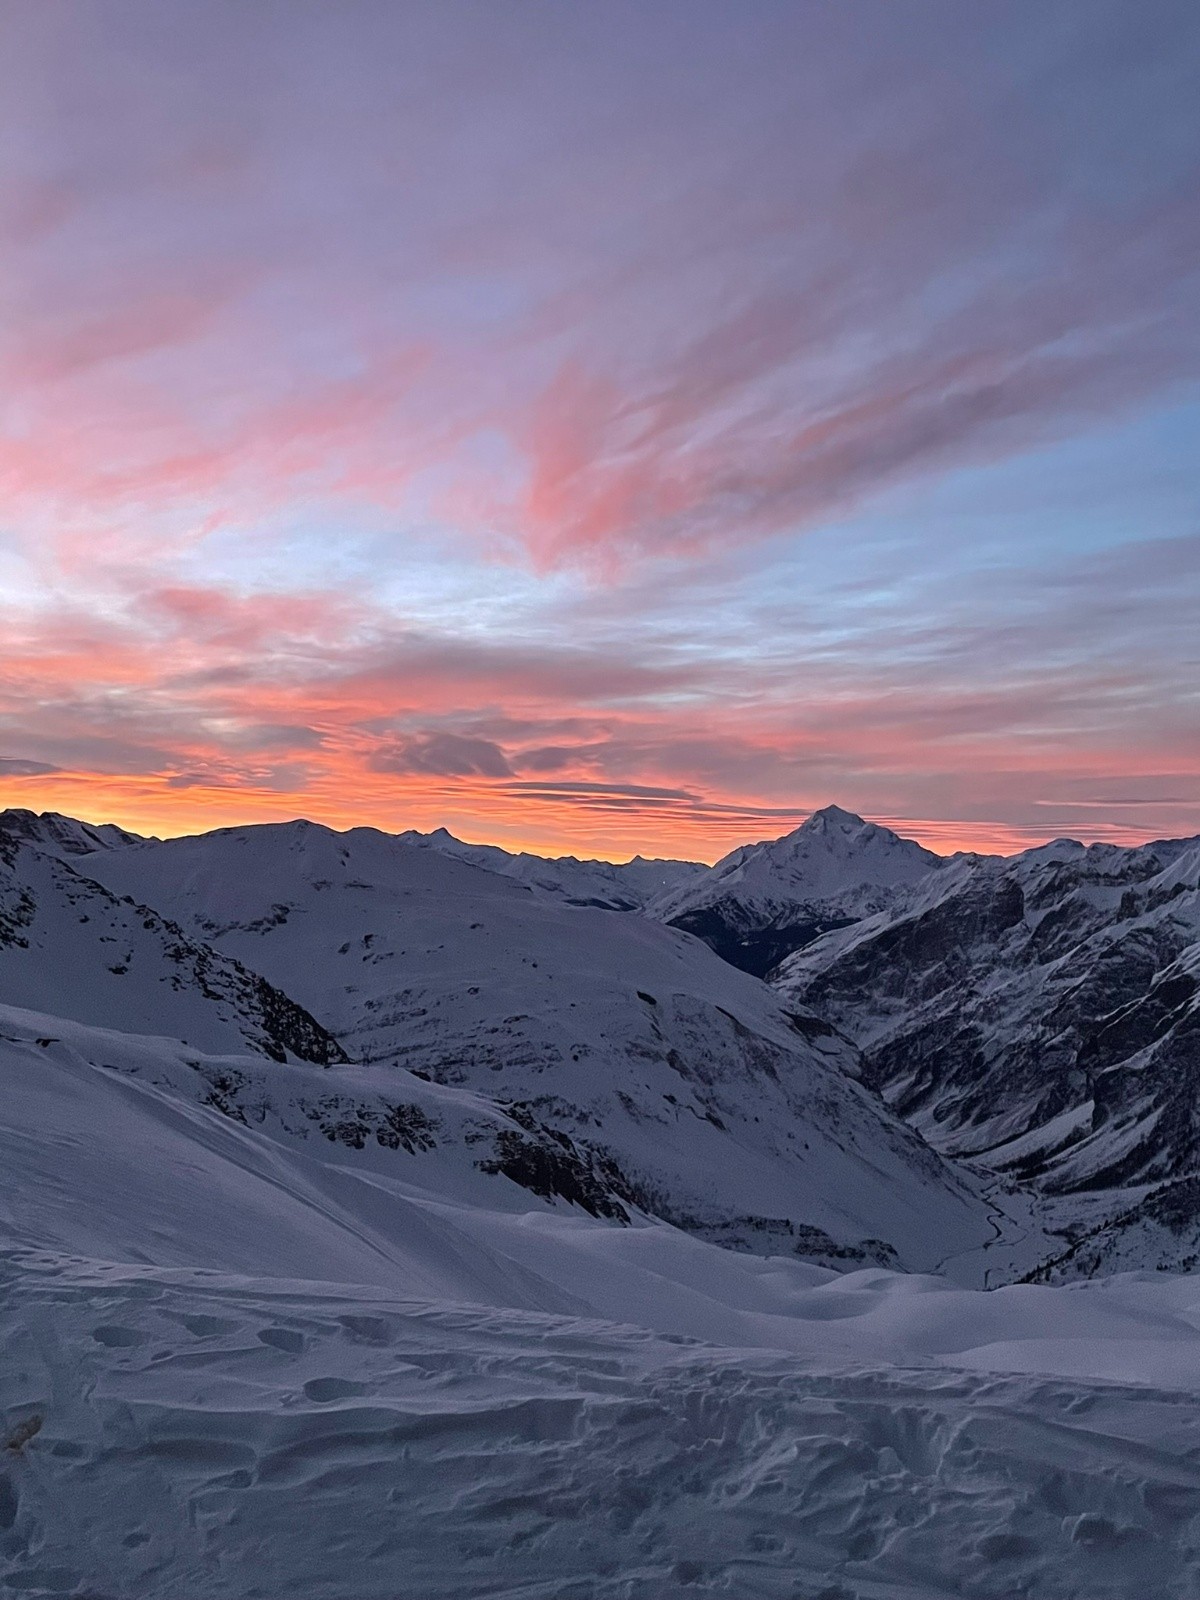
(416, 421)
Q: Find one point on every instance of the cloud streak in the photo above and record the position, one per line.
(186, 705)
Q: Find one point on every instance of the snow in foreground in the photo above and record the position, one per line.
(514, 1401)
(204, 1435)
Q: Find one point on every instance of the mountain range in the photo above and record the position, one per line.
(1009, 1044)
(676, 1083)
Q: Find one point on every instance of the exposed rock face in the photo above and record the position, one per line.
(70, 947)
(1040, 1013)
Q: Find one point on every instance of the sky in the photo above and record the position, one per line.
(602, 428)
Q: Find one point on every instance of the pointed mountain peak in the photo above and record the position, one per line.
(834, 853)
(834, 817)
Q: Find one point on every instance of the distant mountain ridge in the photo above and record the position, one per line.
(617, 886)
(64, 836)
(763, 901)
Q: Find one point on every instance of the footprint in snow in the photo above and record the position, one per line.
(205, 1327)
(283, 1339)
(117, 1338)
(324, 1389)
(370, 1330)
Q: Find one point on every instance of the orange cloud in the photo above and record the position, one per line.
(186, 707)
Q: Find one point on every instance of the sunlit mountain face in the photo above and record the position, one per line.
(602, 430)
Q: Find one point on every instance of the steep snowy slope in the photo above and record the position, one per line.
(237, 1360)
(1042, 1013)
(165, 1153)
(718, 1107)
(615, 886)
(70, 947)
(763, 901)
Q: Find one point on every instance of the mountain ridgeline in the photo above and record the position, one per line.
(762, 902)
(986, 1065)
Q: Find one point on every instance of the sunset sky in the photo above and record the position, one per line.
(602, 427)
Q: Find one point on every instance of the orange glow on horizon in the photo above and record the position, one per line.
(485, 814)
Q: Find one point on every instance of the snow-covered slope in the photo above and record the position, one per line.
(615, 886)
(763, 901)
(719, 1107)
(74, 949)
(236, 1358)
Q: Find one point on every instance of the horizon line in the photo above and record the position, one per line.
(897, 825)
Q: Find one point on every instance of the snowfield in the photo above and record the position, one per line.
(281, 1316)
(207, 1435)
(239, 1362)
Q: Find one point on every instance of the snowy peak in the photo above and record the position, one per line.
(831, 818)
(833, 852)
(764, 901)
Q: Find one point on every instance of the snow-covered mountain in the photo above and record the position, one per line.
(712, 1103)
(1040, 1014)
(64, 836)
(763, 901)
(71, 948)
(609, 885)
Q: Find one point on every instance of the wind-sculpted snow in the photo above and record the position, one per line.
(71, 947)
(717, 1107)
(211, 1436)
(236, 1361)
